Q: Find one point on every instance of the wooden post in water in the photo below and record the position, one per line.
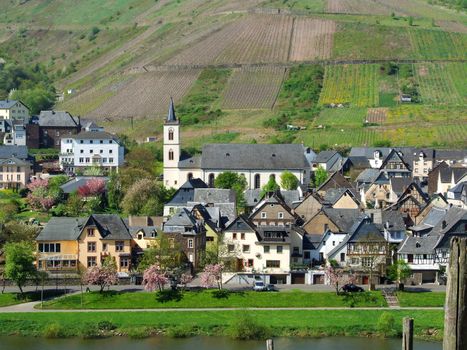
(455, 316)
(269, 344)
(407, 333)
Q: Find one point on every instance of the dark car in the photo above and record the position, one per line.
(352, 288)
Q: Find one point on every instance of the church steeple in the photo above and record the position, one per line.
(171, 117)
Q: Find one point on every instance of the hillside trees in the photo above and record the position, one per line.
(19, 262)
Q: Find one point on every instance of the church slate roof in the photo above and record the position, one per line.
(253, 156)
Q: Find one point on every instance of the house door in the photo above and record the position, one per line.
(365, 279)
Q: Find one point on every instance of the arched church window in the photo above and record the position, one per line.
(171, 134)
(211, 180)
(257, 181)
(171, 155)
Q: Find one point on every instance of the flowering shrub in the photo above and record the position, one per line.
(154, 277)
(39, 198)
(212, 275)
(101, 276)
(93, 187)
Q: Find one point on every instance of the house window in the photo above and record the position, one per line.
(81, 151)
(81, 160)
(367, 261)
(279, 249)
(342, 257)
(101, 151)
(91, 141)
(190, 243)
(296, 250)
(87, 160)
(333, 243)
(280, 215)
(306, 255)
(91, 247)
(119, 246)
(92, 261)
(90, 232)
(124, 262)
(104, 247)
(110, 151)
(49, 247)
(189, 176)
(246, 248)
(263, 215)
(234, 236)
(266, 249)
(230, 248)
(111, 160)
(273, 263)
(242, 235)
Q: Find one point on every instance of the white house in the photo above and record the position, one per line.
(90, 148)
(14, 110)
(257, 162)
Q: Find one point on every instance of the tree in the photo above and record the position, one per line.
(114, 191)
(399, 271)
(145, 197)
(42, 196)
(212, 275)
(271, 186)
(19, 262)
(165, 253)
(102, 276)
(334, 276)
(234, 181)
(321, 176)
(289, 181)
(15, 231)
(93, 187)
(154, 277)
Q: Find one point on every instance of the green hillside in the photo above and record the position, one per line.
(243, 70)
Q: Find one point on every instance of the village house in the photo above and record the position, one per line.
(273, 211)
(16, 168)
(14, 110)
(91, 148)
(330, 161)
(444, 177)
(256, 162)
(335, 220)
(67, 245)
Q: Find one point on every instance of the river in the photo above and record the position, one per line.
(207, 343)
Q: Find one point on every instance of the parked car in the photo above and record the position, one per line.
(259, 286)
(352, 288)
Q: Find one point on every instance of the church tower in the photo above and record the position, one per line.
(171, 148)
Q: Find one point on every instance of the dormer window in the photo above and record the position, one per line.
(417, 245)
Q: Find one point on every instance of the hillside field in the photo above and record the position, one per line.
(233, 67)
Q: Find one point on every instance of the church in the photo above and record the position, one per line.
(257, 162)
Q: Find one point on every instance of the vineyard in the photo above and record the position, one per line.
(376, 115)
(353, 84)
(147, 95)
(339, 136)
(251, 88)
(356, 7)
(442, 83)
(261, 39)
(312, 39)
(434, 44)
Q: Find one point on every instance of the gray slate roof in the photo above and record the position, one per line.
(214, 195)
(111, 226)
(343, 218)
(14, 161)
(400, 184)
(367, 176)
(62, 229)
(192, 162)
(186, 192)
(79, 181)
(324, 156)
(9, 151)
(57, 119)
(182, 217)
(419, 245)
(253, 156)
(95, 135)
(7, 104)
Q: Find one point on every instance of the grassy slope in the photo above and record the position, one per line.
(421, 299)
(207, 299)
(428, 324)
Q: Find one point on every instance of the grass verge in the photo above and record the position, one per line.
(208, 299)
(415, 299)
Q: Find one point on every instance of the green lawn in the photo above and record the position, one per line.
(428, 324)
(7, 299)
(207, 299)
(428, 299)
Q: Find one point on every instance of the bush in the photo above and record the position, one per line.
(53, 330)
(181, 331)
(106, 326)
(220, 294)
(89, 331)
(137, 333)
(247, 328)
(386, 325)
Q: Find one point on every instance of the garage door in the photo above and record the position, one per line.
(298, 278)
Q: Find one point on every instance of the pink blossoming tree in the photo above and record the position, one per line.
(101, 276)
(39, 198)
(92, 187)
(154, 277)
(212, 275)
(334, 276)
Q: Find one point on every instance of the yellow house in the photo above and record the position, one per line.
(66, 245)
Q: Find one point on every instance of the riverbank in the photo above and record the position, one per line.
(252, 324)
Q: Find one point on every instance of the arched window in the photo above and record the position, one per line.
(171, 155)
(171, 134)
(211, 180)
(189, 176)
(257, 181)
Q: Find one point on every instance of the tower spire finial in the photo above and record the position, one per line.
(171, 117)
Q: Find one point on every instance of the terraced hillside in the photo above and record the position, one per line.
(232, 66)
